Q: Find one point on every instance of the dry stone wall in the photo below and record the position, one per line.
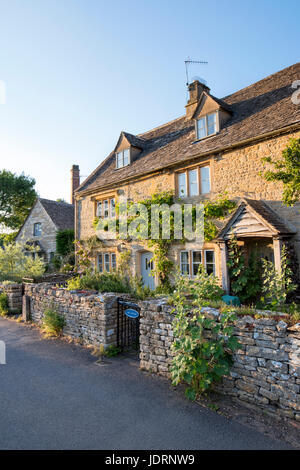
(265, 372)
(14, 295)
(91, 318)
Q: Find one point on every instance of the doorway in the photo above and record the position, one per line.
(147, 265)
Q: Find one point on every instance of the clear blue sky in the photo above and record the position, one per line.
(78, 72)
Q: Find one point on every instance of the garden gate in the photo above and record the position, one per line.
(128, 325)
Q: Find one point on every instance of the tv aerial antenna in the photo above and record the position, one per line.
(187, 63)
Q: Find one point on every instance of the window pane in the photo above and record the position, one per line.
(113, 261)
(205, 180)
(201, 128)
(211, 124)
(106, 262)
(112, 208)
(106, 212)
(196, 261)
(210, 261)
(99, 209)
(193, 183)
(182, 184)
(100, 265)
(184, 263)
(126, 157)
(37, 229)
(197, 257)
(119, 160)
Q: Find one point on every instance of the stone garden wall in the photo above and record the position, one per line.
(265, 372)
(91, 318)
(14, 295)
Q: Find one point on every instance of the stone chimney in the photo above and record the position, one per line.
(195, 90)
(75, 181)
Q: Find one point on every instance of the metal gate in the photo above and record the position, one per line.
(128, 325)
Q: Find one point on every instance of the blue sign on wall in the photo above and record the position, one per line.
(131, 313)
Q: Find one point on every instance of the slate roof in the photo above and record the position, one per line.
(264, 211)
(260, 108)
(61, 213)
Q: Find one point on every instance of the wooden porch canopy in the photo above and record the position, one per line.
(253, 219)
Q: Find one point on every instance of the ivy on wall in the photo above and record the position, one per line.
(218, 209)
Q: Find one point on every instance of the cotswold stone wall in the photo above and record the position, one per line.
(265, 372)
(91, 318)
(14, 295)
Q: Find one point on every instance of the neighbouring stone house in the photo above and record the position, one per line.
(39, 230)
(217, 146)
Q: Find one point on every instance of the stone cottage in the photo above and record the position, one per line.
(39, 230)
(217, 146)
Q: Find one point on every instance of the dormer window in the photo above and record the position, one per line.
(122, 158)
(207, 125)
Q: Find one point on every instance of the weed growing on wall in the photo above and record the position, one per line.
(53, 322)
(3, 304)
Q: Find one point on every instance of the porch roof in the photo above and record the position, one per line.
(255, 218)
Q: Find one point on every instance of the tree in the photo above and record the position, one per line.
(14, 264)
(17, 195)
(287, 171)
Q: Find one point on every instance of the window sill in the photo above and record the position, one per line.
(206, 137)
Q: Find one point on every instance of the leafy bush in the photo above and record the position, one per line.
(3, 304)
(205, 287)
(65, 242)
(277, 285)
(101, 282)
(245, 279)
(200, 359)
(53, 322)
(14, 264)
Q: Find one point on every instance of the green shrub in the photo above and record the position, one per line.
(245, 279)
(111, 351)
(14, 264)
(53, 322)
(3, 304)
(277, 285)
(205, 286)
(101, 282)
(199, 359)
(65, 242)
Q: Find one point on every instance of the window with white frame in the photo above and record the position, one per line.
(190, 260)
(106, 208)
(205, 179)
(207, 125)
(37, 229)
(182, 189)
(194, 182)
(123, 158)
(184, 263)
(196, 261)
(106, 262)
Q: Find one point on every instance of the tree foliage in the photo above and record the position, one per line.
(14, 264)
(17, 195)
(65, 242)
(287, 170)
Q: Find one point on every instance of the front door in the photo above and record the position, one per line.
(146, 268)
